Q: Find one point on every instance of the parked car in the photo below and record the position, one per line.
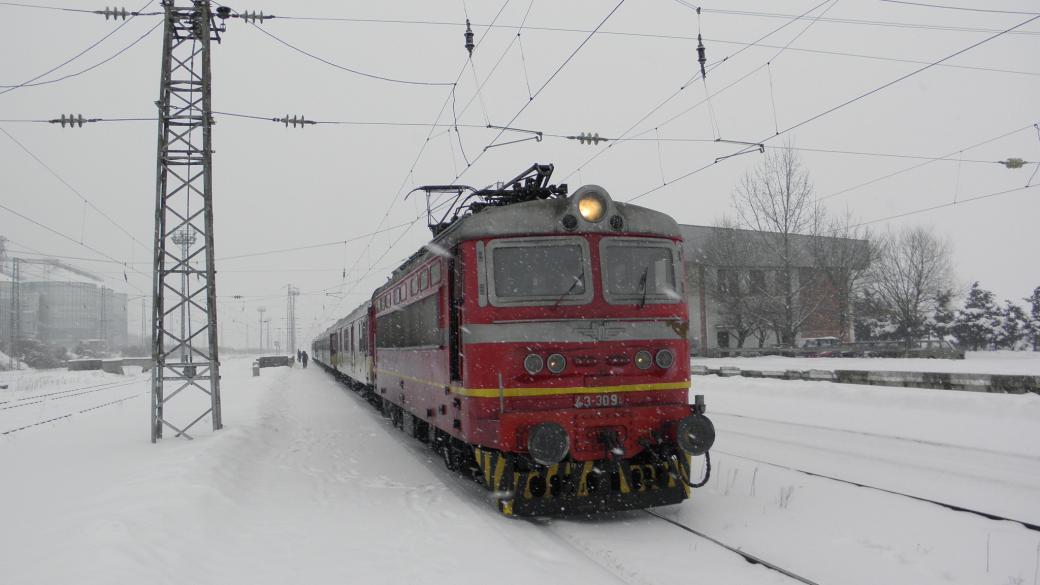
(935, 348)
(821, 347)
(919, 348)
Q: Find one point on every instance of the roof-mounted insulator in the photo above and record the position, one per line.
(701, 56)
(469, 38)
(589, 138)
(114, 13)
(254, 16)
(73, 120)
(295, 121)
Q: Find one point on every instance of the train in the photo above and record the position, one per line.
(538, 344)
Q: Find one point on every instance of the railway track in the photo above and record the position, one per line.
(955, 507)
(71, 414)
(753, 559)
(716, 413)
(39, 398)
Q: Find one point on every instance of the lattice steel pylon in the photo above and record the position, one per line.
(185, 358)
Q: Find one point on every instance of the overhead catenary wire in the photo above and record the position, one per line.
(397, 194)
(944, 205)
(335, 65)
(845, 103)
(963, 8)
(542, 88)
(90, 68)
(623, 136)
(73, 189)
(77, 55)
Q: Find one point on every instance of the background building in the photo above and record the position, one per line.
(56, 307)
(735, 290)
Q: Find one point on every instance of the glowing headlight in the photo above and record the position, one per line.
(592, 206)
(556, 363)
(643, 359)
(533, 363)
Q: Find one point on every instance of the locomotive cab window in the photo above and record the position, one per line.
(639, 271)
(539, 271)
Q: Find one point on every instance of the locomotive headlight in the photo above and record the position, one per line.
(664, 358)
(695, 434)
(592, 206)
(548, 443)
(556, 363)
(643, 359)
(533, 363)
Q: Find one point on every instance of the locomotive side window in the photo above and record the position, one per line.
(639, 271)
(414, 325)
(540, 271)
(424, 280)
(435, 273)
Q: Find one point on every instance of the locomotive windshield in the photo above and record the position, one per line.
(639, 271)
(540, 271)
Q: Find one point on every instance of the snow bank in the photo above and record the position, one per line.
(976, 362)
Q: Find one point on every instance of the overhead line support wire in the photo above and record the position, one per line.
(854, 99)
(622, 137)
(544, 85)
(285, 43)
(404, 181)
(77, 55)
(62, 180)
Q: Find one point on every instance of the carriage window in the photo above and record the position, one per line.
(540, 271)
(639, 271)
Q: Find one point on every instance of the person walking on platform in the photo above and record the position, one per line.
(303, 359)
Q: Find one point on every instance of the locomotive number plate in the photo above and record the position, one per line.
(597, 401)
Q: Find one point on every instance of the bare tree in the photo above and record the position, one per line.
(727, 253)
(776, 199)
(843, 259)
(911, 274)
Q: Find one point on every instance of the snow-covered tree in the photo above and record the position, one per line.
(978, 324)
(1013, 326)
(940, 324)
(1033, 319)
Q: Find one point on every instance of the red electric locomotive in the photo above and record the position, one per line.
(538, 343)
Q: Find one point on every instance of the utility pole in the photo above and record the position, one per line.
(15, 310)
(290, 315)
(184, 201)
(260, 337)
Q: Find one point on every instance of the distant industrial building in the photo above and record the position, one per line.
(56, 307)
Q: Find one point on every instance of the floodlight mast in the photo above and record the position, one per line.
(186, 359)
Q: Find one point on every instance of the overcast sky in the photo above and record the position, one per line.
(278, 187)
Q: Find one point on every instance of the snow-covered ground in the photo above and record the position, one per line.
(1026, 363)
(307, 484)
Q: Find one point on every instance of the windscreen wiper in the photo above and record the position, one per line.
(642, 286)
(577, 281)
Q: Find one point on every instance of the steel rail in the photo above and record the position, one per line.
(753, 559)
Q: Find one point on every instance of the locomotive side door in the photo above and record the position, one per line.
(456, 284)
